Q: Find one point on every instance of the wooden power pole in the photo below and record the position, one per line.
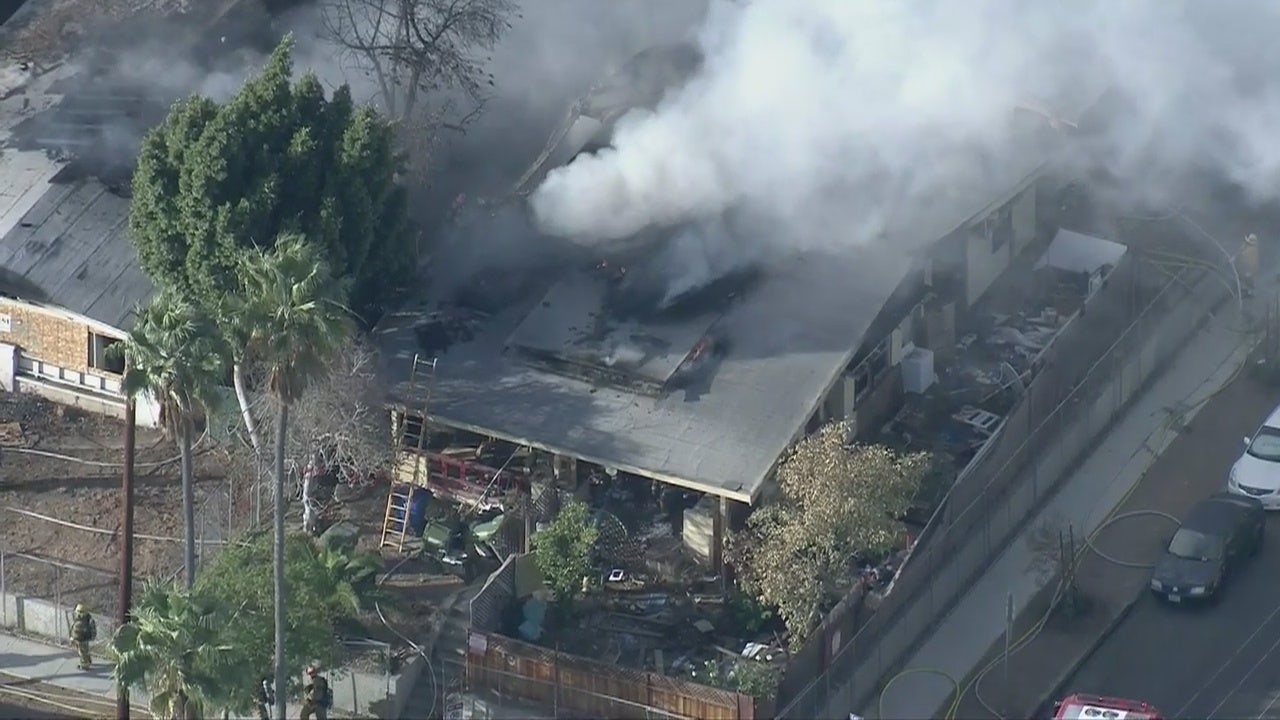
(126, 541)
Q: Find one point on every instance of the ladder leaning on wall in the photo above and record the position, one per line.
(395, 524)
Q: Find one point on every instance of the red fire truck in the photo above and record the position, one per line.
(1094, 707)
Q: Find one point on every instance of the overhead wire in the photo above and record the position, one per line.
(1089, 545)
(422, 653)
(105, 463)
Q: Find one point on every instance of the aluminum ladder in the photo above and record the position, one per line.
(396, 529)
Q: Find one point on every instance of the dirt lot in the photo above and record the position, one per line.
(58, 562)
(69, 565)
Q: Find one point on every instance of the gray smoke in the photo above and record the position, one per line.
(827, 116)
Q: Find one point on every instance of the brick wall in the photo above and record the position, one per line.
(47, 334)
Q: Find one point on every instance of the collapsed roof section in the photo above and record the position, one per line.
(603, 327)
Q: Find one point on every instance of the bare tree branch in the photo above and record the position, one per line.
(340, 422)
(417, 48)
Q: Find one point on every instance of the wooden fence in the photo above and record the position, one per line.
(573, 686)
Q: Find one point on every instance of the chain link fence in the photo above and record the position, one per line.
(1058, 419)
(38, 595)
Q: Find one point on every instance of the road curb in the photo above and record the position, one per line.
(1058, 689)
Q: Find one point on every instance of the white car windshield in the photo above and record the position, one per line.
(1193, 545)
(1266, 445)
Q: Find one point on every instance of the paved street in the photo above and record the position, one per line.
(1220, 661)
(1209, 360)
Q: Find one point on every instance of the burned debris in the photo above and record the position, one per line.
(959, 392)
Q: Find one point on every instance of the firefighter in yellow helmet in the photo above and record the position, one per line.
(84, 630)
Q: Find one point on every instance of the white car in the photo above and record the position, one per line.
(1257, 472)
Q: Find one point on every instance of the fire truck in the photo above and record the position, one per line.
(1094, 707)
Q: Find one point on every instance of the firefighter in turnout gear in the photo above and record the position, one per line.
(266, 698)
(83, 631)
(317, 696)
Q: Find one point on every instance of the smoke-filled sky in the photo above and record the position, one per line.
(810, 113)
(804, 106)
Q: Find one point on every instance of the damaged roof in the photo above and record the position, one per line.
(720, 432)
(784, 343)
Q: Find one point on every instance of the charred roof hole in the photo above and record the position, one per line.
(440, 330)
(614, 327)
(654, 300)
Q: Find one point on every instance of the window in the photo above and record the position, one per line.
(871, 370)
(100, 359)
(1266, 445)
(999, 227)
(1192, 545)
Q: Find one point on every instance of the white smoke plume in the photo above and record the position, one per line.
(811, 111)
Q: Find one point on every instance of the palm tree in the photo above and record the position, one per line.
(352, 578)
(174, 356)
(296, 319)
(172, 650)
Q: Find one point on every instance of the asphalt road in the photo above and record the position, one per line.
(1216, 661)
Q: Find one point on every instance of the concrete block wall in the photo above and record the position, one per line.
(33, 616)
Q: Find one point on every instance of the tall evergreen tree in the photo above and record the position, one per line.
(279, 158)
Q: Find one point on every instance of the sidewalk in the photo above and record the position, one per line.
(1192, 468)
(57, 666)
(1208, 361)
(52, 665)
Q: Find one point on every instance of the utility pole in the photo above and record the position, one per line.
(1008, 642)
(126, 541)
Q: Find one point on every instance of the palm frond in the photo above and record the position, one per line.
(176, 355)
(293, 312)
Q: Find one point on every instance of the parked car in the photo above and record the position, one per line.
(1217, 534)
(1257, 472)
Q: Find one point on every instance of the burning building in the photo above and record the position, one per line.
(704, 383)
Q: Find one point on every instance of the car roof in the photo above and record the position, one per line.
(1219, 513)
(1273, 420)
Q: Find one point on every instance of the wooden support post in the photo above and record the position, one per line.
(718, 524)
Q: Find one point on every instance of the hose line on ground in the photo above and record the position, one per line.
(1170, 424)
(955, 684)
(103, 463)
(422, 653)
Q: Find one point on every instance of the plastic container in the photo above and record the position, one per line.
(419, 501)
